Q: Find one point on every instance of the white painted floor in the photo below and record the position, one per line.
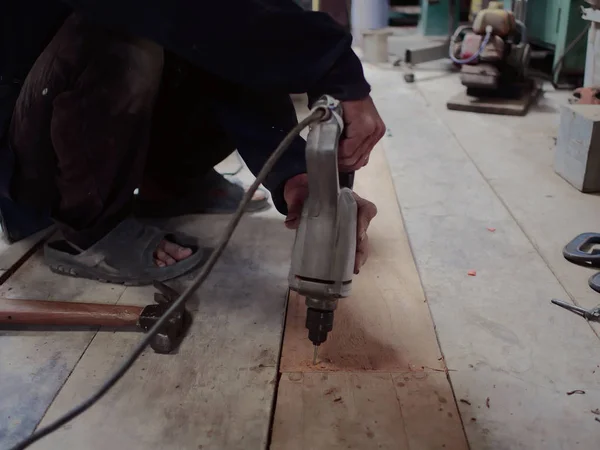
(513, 356)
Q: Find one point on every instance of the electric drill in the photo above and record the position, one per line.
(325, 245)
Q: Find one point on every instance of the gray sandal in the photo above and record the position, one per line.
(124, 256)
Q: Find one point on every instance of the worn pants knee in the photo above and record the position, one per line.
(81, 126)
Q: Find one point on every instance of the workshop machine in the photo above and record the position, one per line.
(325, 245)
(493, 54)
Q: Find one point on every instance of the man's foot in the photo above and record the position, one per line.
(168, 253)
(212, 194)
(133, 253)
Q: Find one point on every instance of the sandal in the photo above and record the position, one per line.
(215, 195)
(124, 256)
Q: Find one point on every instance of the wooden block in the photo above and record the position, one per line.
(577, 154)
(505, 107)
(385, 324)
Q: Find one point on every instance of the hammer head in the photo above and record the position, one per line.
(172, 332)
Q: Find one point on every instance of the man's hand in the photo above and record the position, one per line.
(363, 129)
(296, 192)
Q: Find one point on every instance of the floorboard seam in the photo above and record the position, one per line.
(58, 391)
(401, 413)
(278, 375)
(418, 269)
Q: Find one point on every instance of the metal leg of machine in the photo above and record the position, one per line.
(432, 51)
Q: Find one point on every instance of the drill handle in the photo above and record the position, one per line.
(322, 161)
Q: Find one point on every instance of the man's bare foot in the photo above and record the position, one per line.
(168, 253)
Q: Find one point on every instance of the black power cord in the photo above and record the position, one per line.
(316, 115)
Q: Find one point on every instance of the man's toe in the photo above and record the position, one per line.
(177, 252)
(161, 255)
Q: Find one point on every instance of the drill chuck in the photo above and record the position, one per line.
(319, 323)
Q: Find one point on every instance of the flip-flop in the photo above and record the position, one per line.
(124, 256)
(215, 195)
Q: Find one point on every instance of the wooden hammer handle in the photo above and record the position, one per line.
(42, 312)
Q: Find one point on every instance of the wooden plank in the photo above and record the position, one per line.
(381, 381)
(385, 325)
(506, 107)
(338, 410)
(217, 391)
(429, 411)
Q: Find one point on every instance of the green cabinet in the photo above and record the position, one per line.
(544, 21)
(554, 24)
(434, 17)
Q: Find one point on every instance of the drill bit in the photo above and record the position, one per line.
(315, 354)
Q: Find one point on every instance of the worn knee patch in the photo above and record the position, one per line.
(144, 73)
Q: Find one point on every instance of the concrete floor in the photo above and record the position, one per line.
(513, 356)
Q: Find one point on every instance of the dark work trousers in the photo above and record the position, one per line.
(101, 114)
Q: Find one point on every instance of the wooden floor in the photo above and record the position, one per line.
(381, 382)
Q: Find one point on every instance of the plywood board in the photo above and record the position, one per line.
(381, 381)
(385, 324)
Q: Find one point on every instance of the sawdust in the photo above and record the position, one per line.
(330, 391)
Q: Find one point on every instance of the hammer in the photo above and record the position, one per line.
(48, 312)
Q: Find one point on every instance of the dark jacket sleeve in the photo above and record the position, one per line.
(262, 44)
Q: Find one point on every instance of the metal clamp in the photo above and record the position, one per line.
(580, 250)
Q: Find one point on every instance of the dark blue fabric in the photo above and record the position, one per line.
(268, 46)
(26, 26)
